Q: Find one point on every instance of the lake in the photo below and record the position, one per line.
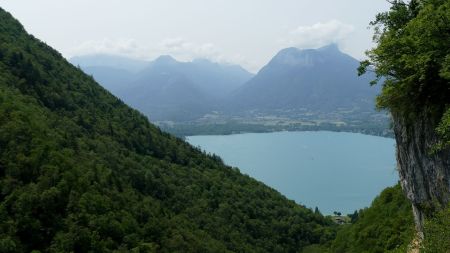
(333, 171)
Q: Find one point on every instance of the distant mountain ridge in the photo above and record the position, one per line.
(163, 91)
(166, 89)
(320, 80)
(213, 79)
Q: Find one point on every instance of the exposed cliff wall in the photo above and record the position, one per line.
(424, 176)
(412, 61)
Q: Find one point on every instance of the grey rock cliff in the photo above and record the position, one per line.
(424, 176)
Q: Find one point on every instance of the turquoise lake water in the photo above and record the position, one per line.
(334, 171)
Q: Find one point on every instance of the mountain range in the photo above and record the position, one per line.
(309, 84)
(322, 80)
(165, 89)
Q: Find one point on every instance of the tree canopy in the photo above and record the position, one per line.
(386, 226)
(412, 60)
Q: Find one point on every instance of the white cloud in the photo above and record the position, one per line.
(312, 36)
(179, 48)
(318, 34)
(186, 50)
(123, 47)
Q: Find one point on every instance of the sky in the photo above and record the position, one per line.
(244, 32)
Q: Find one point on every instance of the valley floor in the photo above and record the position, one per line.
(217, 123)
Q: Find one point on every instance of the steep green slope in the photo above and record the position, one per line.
(80, 171)
(386, 226)
(437, 232)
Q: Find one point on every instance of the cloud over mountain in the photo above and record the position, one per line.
(318, 34)
(178, 47)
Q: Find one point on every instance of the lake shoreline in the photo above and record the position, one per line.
(195, 129)
(334, 171)
(292, 131)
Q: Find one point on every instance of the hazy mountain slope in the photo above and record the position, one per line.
(322, 79)
(166, 89)
(163, 92)
(82, 172)
(216, 80)
(111, 78)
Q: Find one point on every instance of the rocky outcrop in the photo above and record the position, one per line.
(424, 175)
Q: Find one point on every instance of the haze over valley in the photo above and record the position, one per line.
(311, 89)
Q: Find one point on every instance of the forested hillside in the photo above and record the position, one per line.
(82, 172)
(387, 226)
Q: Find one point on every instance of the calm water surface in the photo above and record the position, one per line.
(333, 171)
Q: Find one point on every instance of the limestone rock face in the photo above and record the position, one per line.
(424, 176)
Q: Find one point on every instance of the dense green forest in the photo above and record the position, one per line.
(412, 61)
(387, 226)
(82, 172)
